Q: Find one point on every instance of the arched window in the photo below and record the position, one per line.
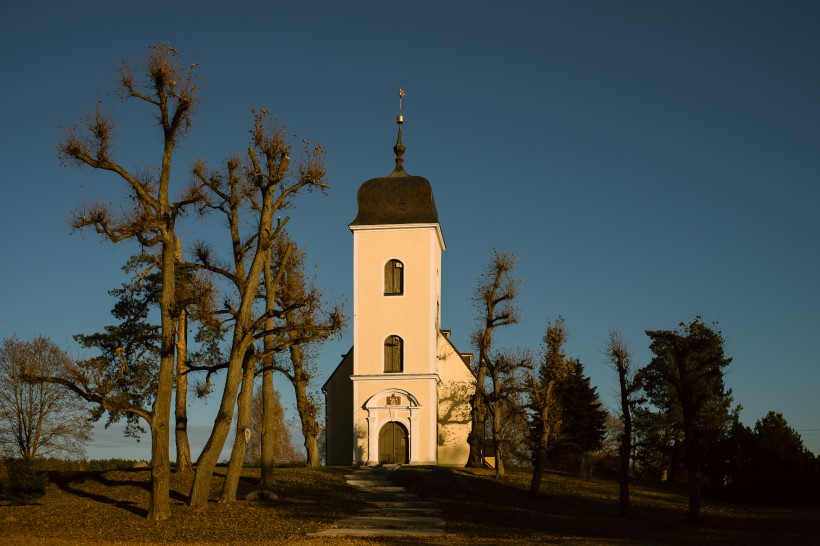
(393, 278)
(393, 354)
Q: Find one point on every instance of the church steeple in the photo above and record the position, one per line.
(398, 198)
(399, 148)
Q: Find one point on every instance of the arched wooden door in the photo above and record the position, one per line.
(394, 447)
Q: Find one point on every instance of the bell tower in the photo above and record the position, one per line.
(397, 247)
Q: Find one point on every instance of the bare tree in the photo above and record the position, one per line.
(620, 357)
(542, 388)
(506, 370)
(170, 90)
(494, 298)
(307, 322)
(39, 418)
(265, 185)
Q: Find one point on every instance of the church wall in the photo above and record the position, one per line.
(454, 390)
(339, 414)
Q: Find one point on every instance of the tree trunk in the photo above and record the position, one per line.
(267, 440)
(498, 444)
(184, 464)
(623, 474)
(160, 508)
(478, 413)
(306, 409)
(695, 482)
(476, 436)
(540, 454)
(243, 423)
(626, 442)
(268, 393)
(538, 470)
(312, 448)
(692, 453)
(205, 464)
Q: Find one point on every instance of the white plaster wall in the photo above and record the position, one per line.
(414, 316)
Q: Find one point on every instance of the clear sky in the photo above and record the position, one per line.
(647, 161)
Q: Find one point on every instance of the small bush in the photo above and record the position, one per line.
(24, 482)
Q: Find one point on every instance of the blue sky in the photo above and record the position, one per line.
(647, 161)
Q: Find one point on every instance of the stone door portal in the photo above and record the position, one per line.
(393, 444)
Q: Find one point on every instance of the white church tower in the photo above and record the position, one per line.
(401, 362)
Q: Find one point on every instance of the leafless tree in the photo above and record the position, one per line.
(494, 299)
(39, 418)
(506, 370)
(542, 389)
(307, 322)
(620, 357)
(170, 90)
(264, 185)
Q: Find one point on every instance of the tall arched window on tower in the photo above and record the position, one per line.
(393, 278)
(393, 354)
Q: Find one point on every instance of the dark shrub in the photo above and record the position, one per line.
(24, 482)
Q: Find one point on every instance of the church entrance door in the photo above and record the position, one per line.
(393, 444)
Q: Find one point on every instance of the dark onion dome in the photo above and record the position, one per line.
(397, 198)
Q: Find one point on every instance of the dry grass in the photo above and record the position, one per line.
(109, 508)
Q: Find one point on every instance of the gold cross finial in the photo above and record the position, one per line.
(400, 118)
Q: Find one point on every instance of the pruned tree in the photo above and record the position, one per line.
(506, 371)
(38, 418)
(170, 90)
(544, 403)
(619, 355)
(307, 322)
(494, 299)
(264, 185)
(687, 371)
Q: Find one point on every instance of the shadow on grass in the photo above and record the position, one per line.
(479, 507)
(69, 482)
(316, 496)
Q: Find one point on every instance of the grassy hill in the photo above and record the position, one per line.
(109, 508)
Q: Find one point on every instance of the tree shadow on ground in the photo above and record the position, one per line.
(481, 508)
(73, 482)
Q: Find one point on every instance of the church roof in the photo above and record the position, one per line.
(398, 198)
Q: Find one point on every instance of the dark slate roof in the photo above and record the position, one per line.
(397, 198)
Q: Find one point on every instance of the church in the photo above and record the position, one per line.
(401, 393)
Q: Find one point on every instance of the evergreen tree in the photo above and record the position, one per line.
(685, 379)
(583, 418)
